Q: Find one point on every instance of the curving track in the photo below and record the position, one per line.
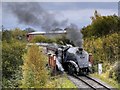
(88, 82)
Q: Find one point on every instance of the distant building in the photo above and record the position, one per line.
(48, 34)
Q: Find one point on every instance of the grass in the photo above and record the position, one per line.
(60, 81)
(104, 77)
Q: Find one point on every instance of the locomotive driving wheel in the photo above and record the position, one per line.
(71, 69)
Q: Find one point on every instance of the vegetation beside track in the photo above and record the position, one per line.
(105, 77)
(101, 38)
(36, 75)
(60, 81)
(24, 67)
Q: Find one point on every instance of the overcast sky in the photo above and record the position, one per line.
(60, 0)
(78, 13)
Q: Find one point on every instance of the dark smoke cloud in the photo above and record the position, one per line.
(74, 34)
(31, 13)
(34, 15)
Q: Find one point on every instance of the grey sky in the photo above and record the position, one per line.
(78, 13)
(78, 5)
(60, 0)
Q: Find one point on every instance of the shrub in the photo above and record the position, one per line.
(115, 72)
(42, 39)
(11, 62)
(104, 49)
(34, 71)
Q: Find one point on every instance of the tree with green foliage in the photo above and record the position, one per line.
(13, 47)
(19, 34)
(101, 25)
(63, 40)
(43, 39)
(11, 62)
(14, 34)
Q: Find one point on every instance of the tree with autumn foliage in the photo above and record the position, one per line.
(34, 71)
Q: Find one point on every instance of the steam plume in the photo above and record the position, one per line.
(34, 15)
(74, 34)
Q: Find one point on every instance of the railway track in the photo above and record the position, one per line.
(91, 83)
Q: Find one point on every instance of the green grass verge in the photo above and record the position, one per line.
(60, 81)
(104, 77)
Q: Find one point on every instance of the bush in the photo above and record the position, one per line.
(11, 62)
(34, 71)
(63, 40)
(104, 49)
(115, 72)
(42, 39)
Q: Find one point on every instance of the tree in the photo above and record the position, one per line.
(63, 40)
(13, 47)
(18, 34)
(28, 30)
(11, 62)
(34, 71)
(101, 25)
(6, 35)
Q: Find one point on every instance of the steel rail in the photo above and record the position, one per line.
(77, 77)
(84, 82)
(97, 82)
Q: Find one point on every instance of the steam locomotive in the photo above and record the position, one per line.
(75, 60)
